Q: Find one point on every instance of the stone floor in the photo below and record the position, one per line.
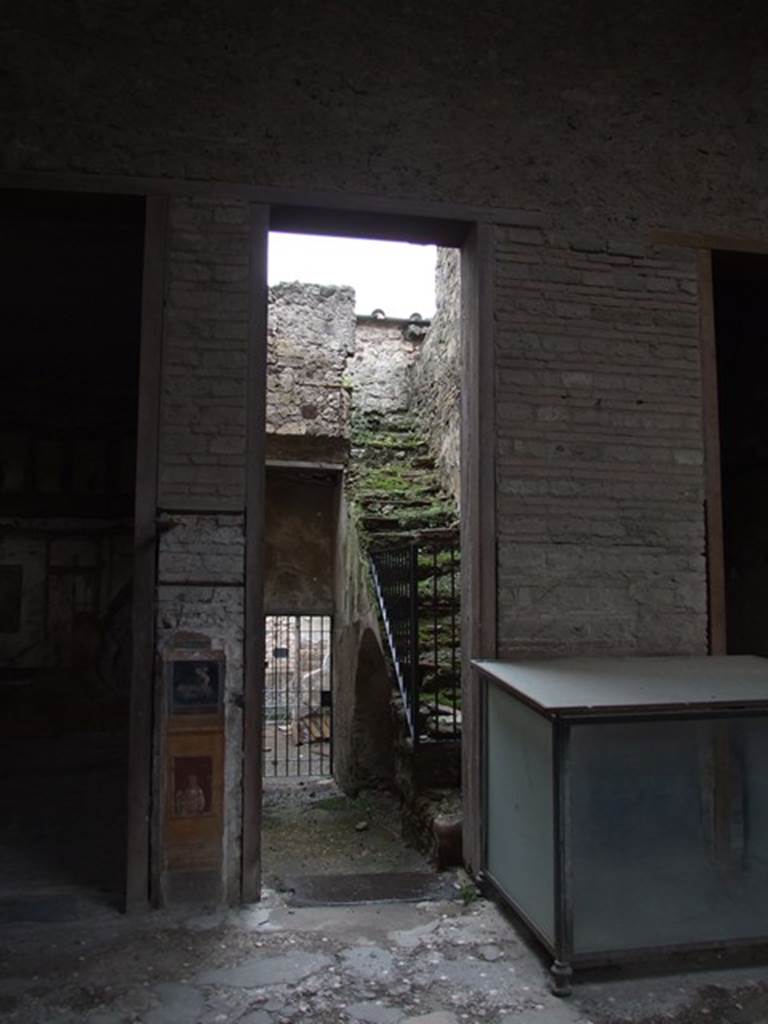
(311, 827)
(447, 962)
(67, 956)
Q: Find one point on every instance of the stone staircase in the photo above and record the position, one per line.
(393, 483)
(397, 498)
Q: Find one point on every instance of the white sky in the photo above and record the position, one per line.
(397, 277)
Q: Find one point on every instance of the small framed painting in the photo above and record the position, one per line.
(192, 786)
(196, 686)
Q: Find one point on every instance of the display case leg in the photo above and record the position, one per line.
(561, 978)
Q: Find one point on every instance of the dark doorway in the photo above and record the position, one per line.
(70, 308)
(740, 288)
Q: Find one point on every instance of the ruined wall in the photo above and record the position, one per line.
(311, 333)
(380, 372)
(599, 448)
(438, 372)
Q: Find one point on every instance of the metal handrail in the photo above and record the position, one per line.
(399, 574)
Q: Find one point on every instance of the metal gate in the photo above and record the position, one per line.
(298, 713)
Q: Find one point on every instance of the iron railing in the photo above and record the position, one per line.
(417, 587)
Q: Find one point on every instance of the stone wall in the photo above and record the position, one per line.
(311, 334)
(380, 372)
(599, 448)
(437, 374)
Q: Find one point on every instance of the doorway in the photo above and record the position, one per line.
(740, 296)
(71, 315)
(347, 395)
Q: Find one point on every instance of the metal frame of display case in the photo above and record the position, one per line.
(562, 721)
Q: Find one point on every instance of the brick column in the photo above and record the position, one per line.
(200, 594)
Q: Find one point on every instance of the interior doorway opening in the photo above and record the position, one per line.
(71, 316)
(368, 394)
(740, 293)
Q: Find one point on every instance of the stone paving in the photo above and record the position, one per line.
(427, 963)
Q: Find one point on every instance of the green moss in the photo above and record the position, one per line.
(389, 442)
(390, 480)
(393, 487)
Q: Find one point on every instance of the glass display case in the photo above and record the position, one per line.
(626, 802)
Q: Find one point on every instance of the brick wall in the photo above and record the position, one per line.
(201, 548)
(202, 430)
(599, 448)
(623, 114)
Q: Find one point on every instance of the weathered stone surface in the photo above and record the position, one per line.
(437, 374)
(311, 333)
(474, 974)
(553, 1011)
(257, 1017)
(261, 971)
(177, 1002)
(491, 953)
(374, 1013)
(112, 983)
(438, 1017)
(253, 918)
(380, 372)
(369, 962)
(410, 938)
(208, 548)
